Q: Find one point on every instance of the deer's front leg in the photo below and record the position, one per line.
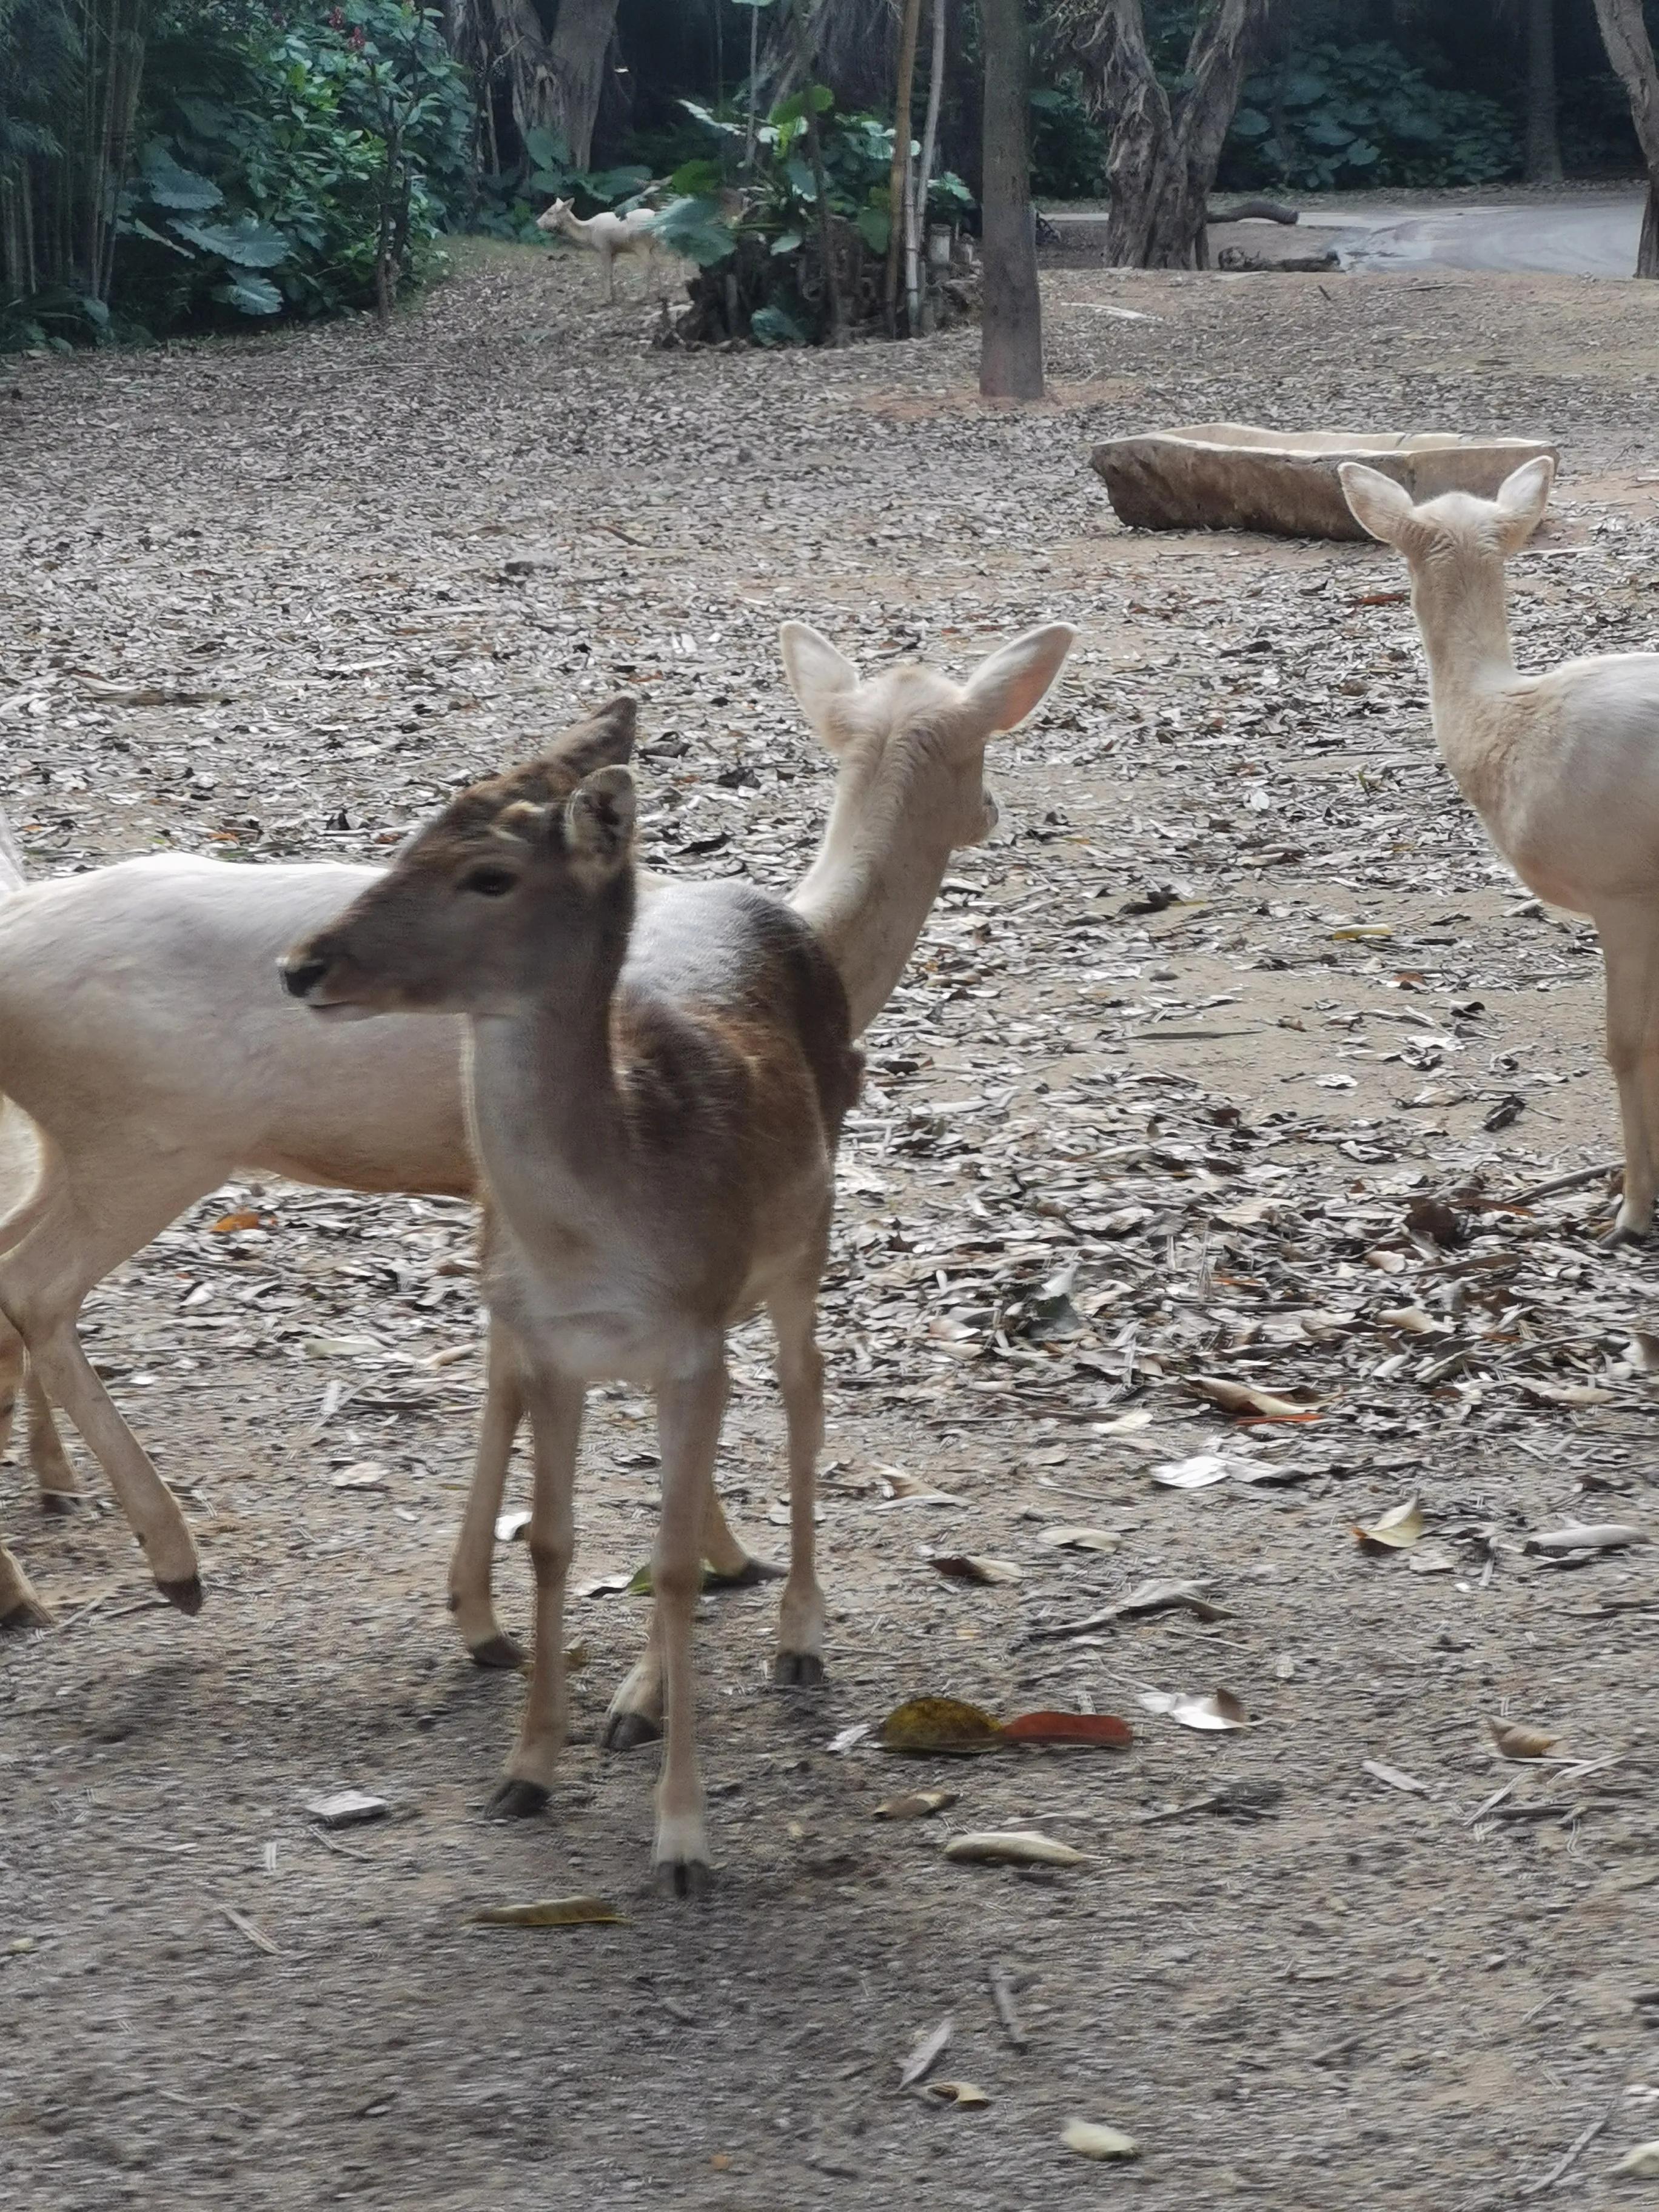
(689, 1410)
(799, 1663)
(555, 1404)
(19, 1606)
(473, 1563)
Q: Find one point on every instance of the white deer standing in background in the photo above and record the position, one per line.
(1562, 768)
(609, 235)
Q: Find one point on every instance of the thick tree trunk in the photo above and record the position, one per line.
(1625, 34)
(1011, 330)
(553, 84)
(581, 38)
(1163, 153)
(1543, 143)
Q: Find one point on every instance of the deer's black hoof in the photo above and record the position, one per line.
(797, 1670)
(517, 1800)
(499, 1652)
(628, 1731)
(186, 1595)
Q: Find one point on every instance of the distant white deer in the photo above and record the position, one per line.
(1562, 768)
(659, 1072)
(609, 235)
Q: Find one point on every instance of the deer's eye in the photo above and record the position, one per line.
(489, 882)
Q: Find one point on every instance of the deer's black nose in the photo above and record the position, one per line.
(300, 975)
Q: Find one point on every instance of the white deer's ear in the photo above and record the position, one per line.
(817, 675)
(1017, 677)
(1522, 497)
(599, 821)
(1376, 502)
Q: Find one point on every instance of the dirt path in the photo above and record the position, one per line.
(1156, 1101)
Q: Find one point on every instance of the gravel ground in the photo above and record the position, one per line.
(1230, 1057)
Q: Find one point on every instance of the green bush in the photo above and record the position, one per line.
(1068, 146)
(262, 180)
(1340, 117)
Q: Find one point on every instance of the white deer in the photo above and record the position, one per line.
(659, 1072)
(609, 235)
(1562, 768)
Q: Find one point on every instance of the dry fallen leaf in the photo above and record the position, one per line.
(916, 1805)
(245, 1217)
(1588, 1536)
(1104, 1729)
(1568, 1394)
(1220, 1710)
(1642, 2159)
(966, 2096)
(1250, 1401)
(1013, 1847)
(1194, 1473)
(1089, 2140)
(1395, 1776)
(1412, 1321)
(946, 1725)
(926, 2053)
(1081, 1539)
(553, 1912)
(1396, 1530)
(1517, 1742)
(970, 1567)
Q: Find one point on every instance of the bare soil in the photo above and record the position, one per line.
(1146, 1108)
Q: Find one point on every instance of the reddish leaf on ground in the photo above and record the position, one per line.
(1104, 1730)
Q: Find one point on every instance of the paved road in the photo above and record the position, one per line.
(1594, 236)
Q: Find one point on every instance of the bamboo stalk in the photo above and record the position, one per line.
(916, 210)
(896, 195)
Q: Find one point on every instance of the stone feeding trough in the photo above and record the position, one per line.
(1229, 476)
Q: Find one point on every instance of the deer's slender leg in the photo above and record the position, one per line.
(635, 1713)
(82, 1223)
(799, 1660)
(1630, 944)
(689, 1410)
(554, 1403)
(56, 1483)
(20, 1607)
(472, 1563)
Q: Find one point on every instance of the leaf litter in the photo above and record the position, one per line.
(1238, 1219)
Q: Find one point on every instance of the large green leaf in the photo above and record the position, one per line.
(875, 228)
(775, 326)
(249, 244)
(548, 149)
(616, 184)
(250, 295)
(693, 228)
(171, 186)
(697, 179)
(707, 115)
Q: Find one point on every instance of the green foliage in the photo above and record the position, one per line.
(1068, 146)
(508, 205)
(1332, 116)
(265, 149)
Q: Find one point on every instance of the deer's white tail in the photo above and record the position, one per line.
(12, 877)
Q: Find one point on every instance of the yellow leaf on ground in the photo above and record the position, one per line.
(946, 1725)
(1396, 1530)
(1089, 2140)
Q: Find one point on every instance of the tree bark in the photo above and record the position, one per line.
(553, 84)
(1625, 34)
(1010, 331)
(839, 334)
(1164, 152)
(1543, 142)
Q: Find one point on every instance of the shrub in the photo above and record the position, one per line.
(1333, 118)
(281, 162)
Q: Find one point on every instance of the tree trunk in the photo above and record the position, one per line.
(1625, 34)
(853, 49)
(839, 334)
(1543, 144)
(1163, 153)
(1010, 333)
(917, 298)
(553, 84)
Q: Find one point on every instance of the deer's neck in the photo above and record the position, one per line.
(545, 1102)
(1463, 615)
(869, 891)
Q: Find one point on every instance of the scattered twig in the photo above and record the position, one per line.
(1559, 1183)
(244, 1926)
(1575, 2150)
(1002, 1996)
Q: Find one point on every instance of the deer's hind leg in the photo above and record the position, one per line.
(1630, 946)
(800, 1662)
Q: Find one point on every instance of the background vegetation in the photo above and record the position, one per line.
(168, 164)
